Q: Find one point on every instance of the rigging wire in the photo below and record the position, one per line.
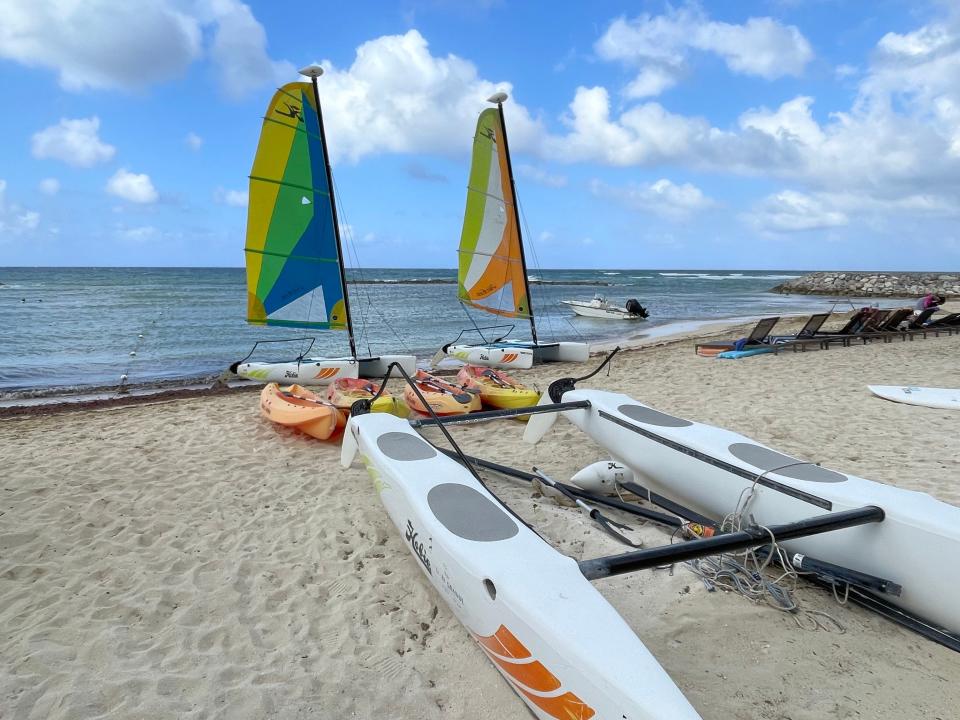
(365, 292)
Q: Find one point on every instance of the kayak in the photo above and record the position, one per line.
(344, 392)
(299, 408)
(496, 388)
(942, 398)
(716, 472)
(443, 398)
(557, 642)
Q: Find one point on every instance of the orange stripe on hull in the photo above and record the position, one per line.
(523, 672)
(504, 643)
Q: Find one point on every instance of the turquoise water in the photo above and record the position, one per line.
(70, 328)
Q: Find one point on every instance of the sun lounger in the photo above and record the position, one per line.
(757, 336)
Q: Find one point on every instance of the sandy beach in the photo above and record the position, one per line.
(187, 559)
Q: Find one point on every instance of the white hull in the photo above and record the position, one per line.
(323, 371)
(606, 313)
(309, 371)
(916, 545)
(561, 647)
(518, 354)
(942, 398)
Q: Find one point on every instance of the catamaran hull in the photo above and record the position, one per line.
(323, 371)
(494, 356)
(310, 371)
(519, 355)
(712, 470)
(561, 647)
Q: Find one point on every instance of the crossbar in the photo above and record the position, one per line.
(754, 536)
(479, 417)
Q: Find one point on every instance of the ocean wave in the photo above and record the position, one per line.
(611, 273)
(729, 276)
(641, 277)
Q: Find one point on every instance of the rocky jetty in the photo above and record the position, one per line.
(873, 284)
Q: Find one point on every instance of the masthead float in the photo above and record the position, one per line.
(295, 267)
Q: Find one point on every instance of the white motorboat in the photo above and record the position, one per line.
(599, 307)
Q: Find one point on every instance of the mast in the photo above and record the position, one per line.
(498, 98)
(313, 72)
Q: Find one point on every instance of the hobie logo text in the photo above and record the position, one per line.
(418, 549)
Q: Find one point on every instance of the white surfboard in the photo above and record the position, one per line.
(943, 398)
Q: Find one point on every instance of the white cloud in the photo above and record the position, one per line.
(397, 97)
(134, 187)
(790, 211)
(122, 45)
(14, 219)
(239, 50)
(75, 142)
(193, 141)
(138, 235)
(663, 197)
(49, 186)
(541, 176)
(111, 44)
(659, 46)
(234, 198)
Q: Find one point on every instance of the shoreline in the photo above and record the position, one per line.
(54, 399)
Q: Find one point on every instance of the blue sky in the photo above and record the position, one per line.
(797, 134)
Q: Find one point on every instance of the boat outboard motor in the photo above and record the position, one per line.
(635, 308)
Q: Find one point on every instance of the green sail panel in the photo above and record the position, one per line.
(293, 267)
(490, 273)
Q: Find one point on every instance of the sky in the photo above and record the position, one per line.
(774, 134)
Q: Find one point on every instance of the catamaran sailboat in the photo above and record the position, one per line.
(295, 269)
(492, 268)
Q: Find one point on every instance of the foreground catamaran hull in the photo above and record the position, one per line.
(323, 371)
(518, 354)
(710, 470)
(561, 647)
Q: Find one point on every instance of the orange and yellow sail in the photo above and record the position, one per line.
(491, 275)
(293, 265)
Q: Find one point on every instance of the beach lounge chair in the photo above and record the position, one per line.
(919, 325)
(757, 336)
(853, 323)
(867, 327)
(809, 330)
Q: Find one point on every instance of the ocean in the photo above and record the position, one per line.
(74, 329)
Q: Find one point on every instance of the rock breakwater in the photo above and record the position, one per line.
(873, 284)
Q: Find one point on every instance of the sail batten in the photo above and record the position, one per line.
(293, 263)
(491, 275)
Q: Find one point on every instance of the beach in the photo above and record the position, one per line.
(184, 558)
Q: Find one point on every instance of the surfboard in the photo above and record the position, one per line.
(943, 398)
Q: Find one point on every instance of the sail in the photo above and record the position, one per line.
(491, 273)
(293, 266)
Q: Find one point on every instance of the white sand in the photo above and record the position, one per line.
(188, 560)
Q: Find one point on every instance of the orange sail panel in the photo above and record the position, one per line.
(490, 273)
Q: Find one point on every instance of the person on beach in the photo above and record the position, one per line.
(928, 301)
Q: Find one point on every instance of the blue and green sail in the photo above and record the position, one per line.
(293, 266)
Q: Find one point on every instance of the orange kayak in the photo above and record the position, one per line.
(344, 392)
(443, 398)
(299, 408)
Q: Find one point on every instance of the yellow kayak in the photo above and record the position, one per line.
(496, 388)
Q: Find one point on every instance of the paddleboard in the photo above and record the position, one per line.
(943, 398)
(737, 354)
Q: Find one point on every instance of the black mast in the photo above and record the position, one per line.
(498, 99)
(313, 72)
